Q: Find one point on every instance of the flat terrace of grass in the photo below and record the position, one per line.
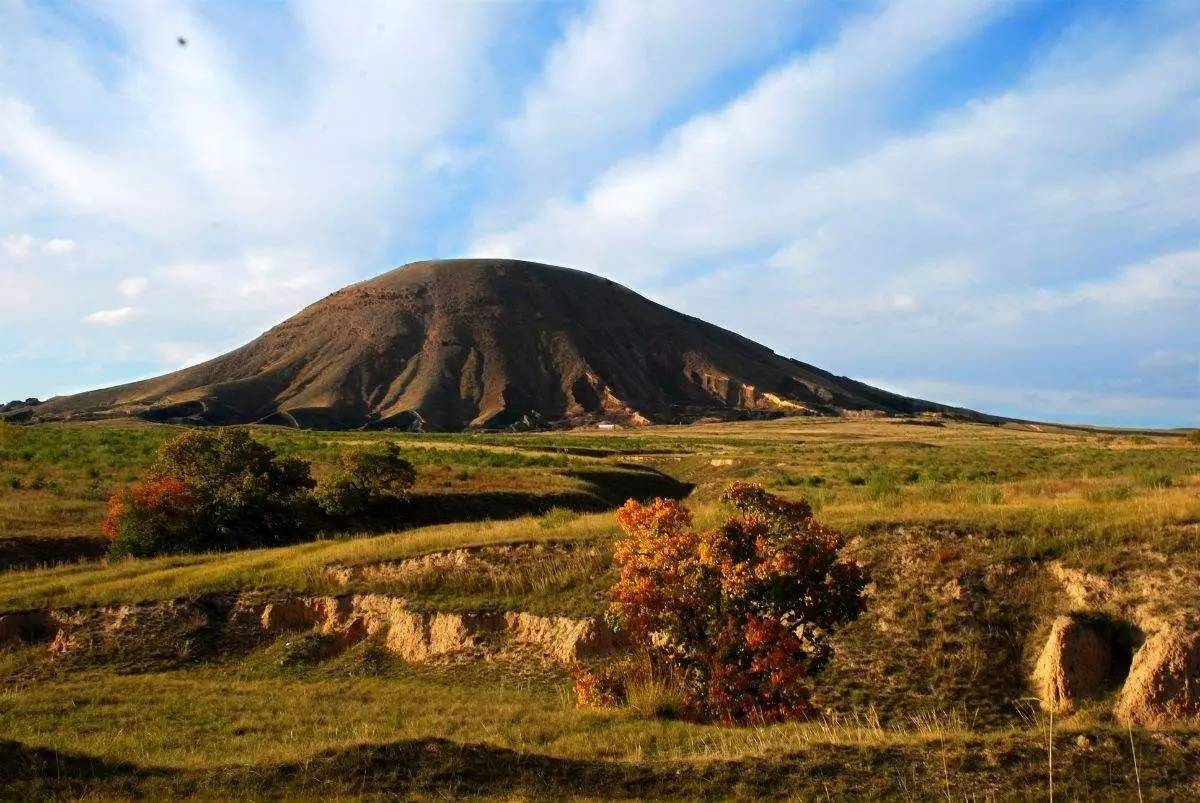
(298, 567)
(261, 726)
(55, 479)
(1094, 500)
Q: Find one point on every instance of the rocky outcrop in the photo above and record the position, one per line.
(564, 638)
(164, 632)
(1076, 664)
(1084, 591)
(182, 629)
(1163, 686)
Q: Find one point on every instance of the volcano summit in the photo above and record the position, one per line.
(486, 343)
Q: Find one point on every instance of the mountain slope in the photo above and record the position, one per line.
(445, 345)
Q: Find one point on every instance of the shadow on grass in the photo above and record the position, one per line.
(31, 551)
(605, 490)
(1009, 766)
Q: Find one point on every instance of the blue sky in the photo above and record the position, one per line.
(994, 204)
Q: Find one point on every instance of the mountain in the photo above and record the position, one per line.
(487, 343)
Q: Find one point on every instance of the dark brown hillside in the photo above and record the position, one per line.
(446, 345)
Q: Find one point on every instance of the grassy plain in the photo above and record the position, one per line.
(968, 530)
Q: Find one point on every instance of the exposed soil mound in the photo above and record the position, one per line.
(1163, 686)
(446, 345)
(179, 630)
(1076, 664)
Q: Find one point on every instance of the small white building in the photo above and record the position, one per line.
(607, 425)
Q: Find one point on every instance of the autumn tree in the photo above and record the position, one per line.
(152, 516)
(743, 612)
(210, 490)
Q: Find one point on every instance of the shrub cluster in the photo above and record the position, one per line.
(221, 489)
(741, 614)
(367, 480)
(210, 490)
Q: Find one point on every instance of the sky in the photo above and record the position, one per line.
(991, 204)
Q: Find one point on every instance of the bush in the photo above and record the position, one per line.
(210, 490)
(557, 517)
(366, 480)
(1154, 479)
(157, 515)
(1109, 493)
(1193, 437)
(884, 486)
(635, 682)
(598, 687)
(740, 614)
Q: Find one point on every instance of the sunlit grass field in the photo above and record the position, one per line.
(927, 695)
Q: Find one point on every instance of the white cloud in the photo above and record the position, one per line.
(1038, 169)
(1172, 278)
(1052, 403)
(109, 317)
(58, 246)
(1169, 359)
(182, 354)
(621, 65)
(18, 245)
(192, 150)
(721, 180)
(133, 286)
(276, 283)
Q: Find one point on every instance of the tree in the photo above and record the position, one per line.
(367, 480)
(153, 516)
(211, 490)
(742, 613)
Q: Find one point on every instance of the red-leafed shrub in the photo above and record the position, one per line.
(151, 513)
(742, 613)
(597, 687)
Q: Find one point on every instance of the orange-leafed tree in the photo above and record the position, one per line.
(151, 513)
(743, 612)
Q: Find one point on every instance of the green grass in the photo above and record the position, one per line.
(927, 692)
(298, 567)
(259, 727)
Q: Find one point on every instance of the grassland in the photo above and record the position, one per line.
(967, 530)
(55, 480)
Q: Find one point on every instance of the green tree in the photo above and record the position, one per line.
(224, 490)
(367, 480)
